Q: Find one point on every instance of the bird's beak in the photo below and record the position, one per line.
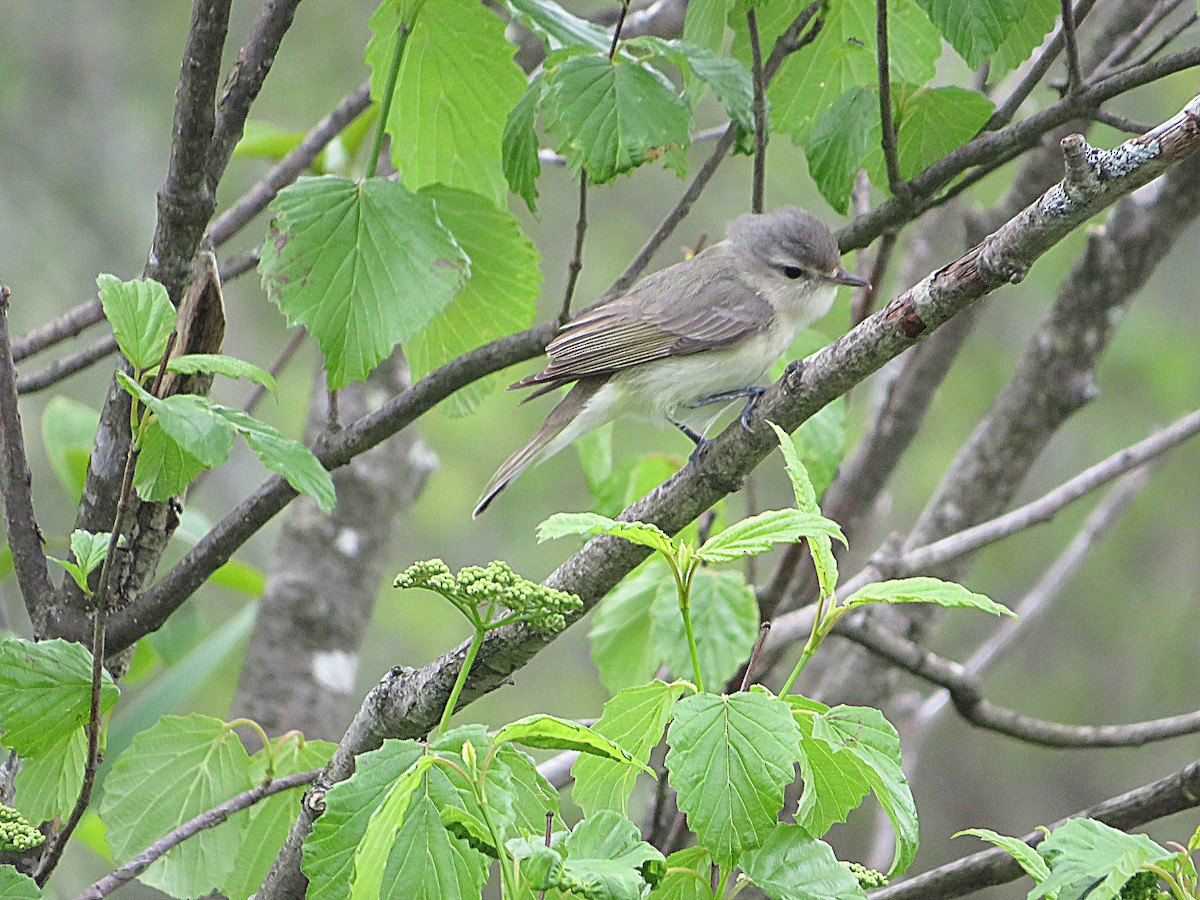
(841, 276)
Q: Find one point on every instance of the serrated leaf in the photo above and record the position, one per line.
(45, 693)
(328, 858)
(171, 773)
(794, 865)
(141, 316)
(623, 646)
(704, 23)
(1035, 867)
(289, 458)
(843, 57)
(189, 420)
(557, 27)
(363, 266)
(89, 551)
(456, 84)
(1097, 854)
(163, 468)
(837, 144)
(519, 147)
(229, 366)
(760, 533)
(872, 741)
(976, 29)
(270, 820)
(499, 298)
(426, 863)
(935, 121)
(68, 431)
(611, 117)
(1025, 34)
(607, 840)
(16, 886)
(724, 619)
(371, 854)
(634, 719)
(552, 733)
(730, 79)
(48, 784)
(730, 759)
(533, 796)
(926, 590)
(643, 533)
(820, 546)
(833, 780)
(688, 876)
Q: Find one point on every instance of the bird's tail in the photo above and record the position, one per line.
(542, 445)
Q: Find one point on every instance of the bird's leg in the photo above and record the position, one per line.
(699, 440)
(753, 393)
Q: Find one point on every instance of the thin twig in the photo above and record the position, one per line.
(65, 326)
(575, 263)
(284, 357)
(1166, 40)
(758, 181)
(863, 303)
(763, 630)
(1119, 122)
(16, 483)
(64, 368)
(239, 265)
(1124, 50)
(1074, 73)
(888, 124)
(192, 827)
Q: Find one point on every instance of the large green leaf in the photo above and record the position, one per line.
(191, 421)
(833, 779)
(760, 533)
(819, 545)
(141, 316)
(1025, 34)
(48, 784)
(926, 590)
(457, 83)
(163, 468)
(794, 865)
(45, 694)
(559, 28)
(935, 121)
(426, 863)
(553, 733)
(623, 646)
(362, 265)
(500, 295)
(730, 759)
(974, 29)
(724, 620)
(564, 524)
(520, 147)
(171, 773)
(1098, 855)
(689, 872)
(634, 719)
(611, 117)
(68, 430)
(15, 886)
(370, 856)
(837, 144)
(1035, 867)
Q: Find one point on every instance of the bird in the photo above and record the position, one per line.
(685, 341)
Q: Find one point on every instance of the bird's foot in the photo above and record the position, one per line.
(752, 393)
(698, 439)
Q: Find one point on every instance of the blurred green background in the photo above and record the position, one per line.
(86, 98)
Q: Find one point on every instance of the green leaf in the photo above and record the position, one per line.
(552, 733)
(260, 140)
(611, 117)
(874, 744)
(935, 121)
(926, 590)
(634, 719)
(559, 28)
(15, 886)
(230, 366)
(45, 694)
(189, 420)
(643, 533)
(141, 316)
(688, 875)
(760, 533)
(426, 863)
(730, 79)
(838, 144)
(820, 546)
(363, 266)
(730, 759)
(89, 551)
(1084, 850)
(532, 795)
(163, 468)
(1035, 867)
(630, 480)
(623, 647)
(834, 782)
(609, 837)
(372, 852)
(289, 458)
(171, 773)
(1025, 34)
(456, 84)
(328, 858)
(704, 24)
(68, 431)
(724, 620)
(270, 820)
(500, 296)
(519, 149)
(976, 29)
(48, 784)
(843, 57)
(793, 865)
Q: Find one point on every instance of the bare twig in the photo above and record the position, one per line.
(192, 827)
(16, 482)
(289, 168)
(758, 180)
(1166, 40)
(1136, 35)
(887, 124)
(67, 366)
(1074, 73)
(575, 263)
(763, 630)
(65, 326)
(284, 357)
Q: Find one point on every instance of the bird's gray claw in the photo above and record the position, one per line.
(749, 407)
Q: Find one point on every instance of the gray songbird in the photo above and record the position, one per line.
(687, 340)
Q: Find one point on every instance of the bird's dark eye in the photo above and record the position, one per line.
(792, 272)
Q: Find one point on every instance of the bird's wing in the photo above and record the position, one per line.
(698, 313)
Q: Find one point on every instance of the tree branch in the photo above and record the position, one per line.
(66, 326)
(887, 124)
(67, 366)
